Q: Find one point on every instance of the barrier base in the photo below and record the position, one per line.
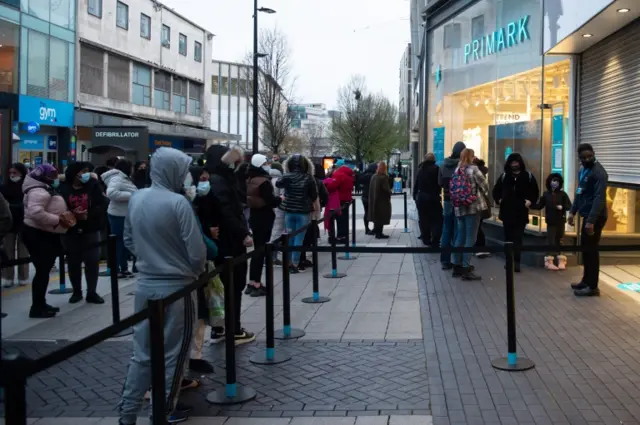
(261, 358)
(334, 276)
(126, 332)
(3, 315)
(242, 394)
(520, 365)
(131, 293)
(319, 300)
(61, 291)
(406, 230)
(351, 257)
(294, 334)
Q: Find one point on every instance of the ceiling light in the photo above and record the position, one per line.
(587, 35)
(624, 10)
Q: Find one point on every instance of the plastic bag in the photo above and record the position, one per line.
(214, 293)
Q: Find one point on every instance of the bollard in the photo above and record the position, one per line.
(511, 363)
(232, 393)
(270, 356)
(353, 223)
(287, 332)
(112, 262)
(316, 298)
(62, 289)
(156, 341)
(406, 213)
(15, 388)
(347, 255)
(334, 260)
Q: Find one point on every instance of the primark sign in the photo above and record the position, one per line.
(515, 33)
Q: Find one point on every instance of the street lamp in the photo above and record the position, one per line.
(256, 56)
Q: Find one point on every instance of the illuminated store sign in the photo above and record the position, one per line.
(514, 33)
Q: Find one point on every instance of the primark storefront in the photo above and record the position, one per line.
(497, 80)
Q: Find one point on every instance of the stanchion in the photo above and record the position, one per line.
(232, 393)
(511, 363)
(156, 340)
(353, 223)
(334, 259)
(15, 388)
(270, 356)
(287, 332)
(316, 298)
(115, 290)
(406, 213)
(62, 289)
(347, 255)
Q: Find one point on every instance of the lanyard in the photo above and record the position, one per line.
(584, 173)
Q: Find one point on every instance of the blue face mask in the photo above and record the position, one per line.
(85, 177)
(55, 183)
(203, 188)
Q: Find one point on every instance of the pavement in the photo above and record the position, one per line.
(218, 420)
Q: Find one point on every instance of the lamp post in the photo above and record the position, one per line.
(256, 56)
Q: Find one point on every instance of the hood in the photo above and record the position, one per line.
(219, 158)
(319, 172)
(299, 164)
(371, 169)
(347, 171)
(274, 172)
(451, 163)
(457, 149)
(514, 157)
(30, 183)
(256, 172)
(170, 168)
(554, 176)
(107, 176)
(427, 163)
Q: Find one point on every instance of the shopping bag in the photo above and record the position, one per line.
(214, 293)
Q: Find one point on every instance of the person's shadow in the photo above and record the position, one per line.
(553, 11)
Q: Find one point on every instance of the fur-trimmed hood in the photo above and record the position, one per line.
(299, 163)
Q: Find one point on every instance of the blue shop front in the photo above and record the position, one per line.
(45, 128)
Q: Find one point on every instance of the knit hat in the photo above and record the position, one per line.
(258, 160)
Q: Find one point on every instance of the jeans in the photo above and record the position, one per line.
(467, 232)
(44, 248)
(78, 252)
(448, 231)
(515, 233)
(116, 224)
(591, 260)
(293, 222)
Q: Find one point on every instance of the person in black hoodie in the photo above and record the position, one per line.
(515, 191)
(84, 198)
(261, 202)
(365, 183)
(426, 193)
(12, 243)
(448, 219)
(141, 175)
(225, 210)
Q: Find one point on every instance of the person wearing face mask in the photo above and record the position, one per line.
(84, 198)
(515, 191)
(141, 175)
(13, 244)
(591, 203)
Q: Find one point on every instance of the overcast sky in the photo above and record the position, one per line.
(329, 39)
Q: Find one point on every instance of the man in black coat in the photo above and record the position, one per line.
(426, 194)
(365, 181)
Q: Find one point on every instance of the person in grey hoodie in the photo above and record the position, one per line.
(448, 216)
(171, 254)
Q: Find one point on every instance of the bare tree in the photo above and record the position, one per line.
(274, 89)
(315, 136)
(291, 144)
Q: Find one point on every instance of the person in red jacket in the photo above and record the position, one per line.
(345, 180)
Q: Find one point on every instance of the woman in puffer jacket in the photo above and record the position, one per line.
(45, 217)
(278, 223)
(120, 188)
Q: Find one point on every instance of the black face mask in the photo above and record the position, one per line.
(515, 169)
(588, 163)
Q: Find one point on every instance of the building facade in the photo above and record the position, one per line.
(405, 95)
(141, 65)
(312, 123)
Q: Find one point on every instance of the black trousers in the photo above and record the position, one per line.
(80, 250)
(480, 239)
(430, 220)
(515, 233)
(239, 283)
(377, 229)
(261, 225)
(365, 205)
(591, 260)
(343, 221)
(44, 248)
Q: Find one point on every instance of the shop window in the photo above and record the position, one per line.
(118, 82)
(162, 91)
(180, 96)
(452, 34)
(195, 97)
(94, 7)
(197, 51)
(141, 85)
(122, 16)
(215, 84)
(59, 70)
(166, 36)
(623, 210)
(145, 26)
(182, 44)
(91, 70)
(477, 27)
(9, 57)
(37, 64)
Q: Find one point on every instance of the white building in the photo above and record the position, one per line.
(142, 64)
(405, 104)
(312, 122)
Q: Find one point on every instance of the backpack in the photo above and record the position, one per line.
(461, 189)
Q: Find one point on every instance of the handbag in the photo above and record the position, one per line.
(214, 294)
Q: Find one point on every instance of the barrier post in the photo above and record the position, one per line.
(112, 262)
(353, 223)
(406, 213)
(511, 363)
(287, 332)
(316, 298)
(270, 356)
(347, 255)
(334, 259)
(156, 339)
(232, 393)
(62, 289)
(15, 388)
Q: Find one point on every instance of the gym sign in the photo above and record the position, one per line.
(516, 32)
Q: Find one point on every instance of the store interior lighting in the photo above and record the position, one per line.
(587, 35)
(624, 10)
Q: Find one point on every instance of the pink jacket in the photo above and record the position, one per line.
(42, 209)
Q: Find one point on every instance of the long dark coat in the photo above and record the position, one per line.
(380, 200)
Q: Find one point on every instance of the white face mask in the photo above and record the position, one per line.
(15, 179)
(190, 193)
(266, 168)
(203, 188)
(188, 181)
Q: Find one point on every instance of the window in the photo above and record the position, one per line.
(37, 64)
(166, 36)
(224, 90)
(182, 45)
(234, 87)
(141, 85)
(118, 80)
(95, 8)
(38, 8)
(63, 13)
(9, 65)
(122, 16)
(197, 52)
(452, 36)
(59, 69)
(477, 27)
(215, 84)
(180, 96)
(242, 87)
(162, 91)
(195, 96)
(91, 70)
(145, 26)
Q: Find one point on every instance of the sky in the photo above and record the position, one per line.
(330, 40)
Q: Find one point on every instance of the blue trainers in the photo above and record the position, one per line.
(177, 417)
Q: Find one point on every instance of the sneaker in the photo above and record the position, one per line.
(41, 313)
(469, 275)
(260, 291)
(277, 263)
(217, 335)
(94, 298)
(306, 263)
(447, 266)
(177, 417)
(76, 297)
(382, 236)
(293, 270)
(483, 254)
(52, 308)
(578, 286)
(587, 292)
(244, 337)
(24, 282)
(302, 268)
(457, 271)
(248, 290)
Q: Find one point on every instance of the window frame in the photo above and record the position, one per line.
(120, 4)
(197, 47)
(182, 37)
(142, 18)
(134, 82)
(165, 42)
(99, 13)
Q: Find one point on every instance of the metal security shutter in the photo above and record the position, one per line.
(609, 108)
